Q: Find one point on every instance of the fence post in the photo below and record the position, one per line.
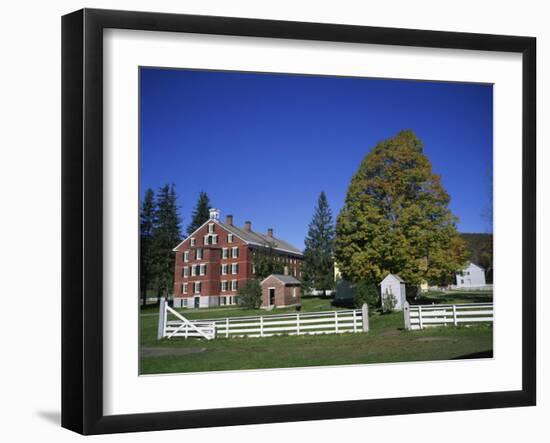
(407, 315)
(162, 319)
(355, 320)
(261, 325)
(421, 324)
(365, 317)
(454, 316)
(336, 321)
(297, 324)
(227, 327)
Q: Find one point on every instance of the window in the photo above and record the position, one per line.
(224, 269)
(185, 271)
(197, 287)
(184, 288)
(211, 239)
(202, 269)
(229, 238)
(193, 241)
(222, 301)
(225, 253)
(194, 269)
(185, 302)
(234, 268)
(295, 272)
(253, 268)
(223, 285)
(186, 256)
(234, 285)
(198, 254)
(293, 292)
(211, 228)
(235, 252)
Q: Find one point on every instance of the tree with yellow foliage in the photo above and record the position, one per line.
(396, 218)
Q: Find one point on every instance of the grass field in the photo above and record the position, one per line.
(387, 341)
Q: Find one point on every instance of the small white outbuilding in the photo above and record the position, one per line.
(472, 276)
(393, 286)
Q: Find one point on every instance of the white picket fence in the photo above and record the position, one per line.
(330, 322)
(424, 316)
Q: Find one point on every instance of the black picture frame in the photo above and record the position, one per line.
(82, 218)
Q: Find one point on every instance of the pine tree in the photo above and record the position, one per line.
(318, 268)
(166, 236)
(146, 231)
(396, 218)
(200, 214)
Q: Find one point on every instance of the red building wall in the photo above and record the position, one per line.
(212, 258)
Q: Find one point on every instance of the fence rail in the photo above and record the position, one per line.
(329, 322)
(424, 316)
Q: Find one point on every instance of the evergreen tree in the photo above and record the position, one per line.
(146, 231)
(318, 268)
(200, 214)
(396, 218)
(166, 236)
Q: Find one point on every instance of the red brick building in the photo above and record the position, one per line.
(280, 291)
(215, 260)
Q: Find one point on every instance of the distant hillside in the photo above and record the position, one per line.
(480, 247)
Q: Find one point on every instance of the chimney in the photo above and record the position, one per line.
(248, 226)
(270, 232)
(229, 219)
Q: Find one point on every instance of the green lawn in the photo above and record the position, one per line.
(386, 342)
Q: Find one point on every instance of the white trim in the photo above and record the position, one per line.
(233, 249)
(195, 283)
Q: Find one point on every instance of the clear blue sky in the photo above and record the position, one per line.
(263, 146)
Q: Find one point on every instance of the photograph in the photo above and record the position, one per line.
(291, 220)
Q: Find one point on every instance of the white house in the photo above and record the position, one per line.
(393, 285)
(472, 276)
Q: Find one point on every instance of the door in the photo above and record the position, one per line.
(271, 296)
(197, 302)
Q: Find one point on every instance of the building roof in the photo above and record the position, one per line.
(472, 264)
(286, 279)
(399, 279)
(258, 239)
(251, 238)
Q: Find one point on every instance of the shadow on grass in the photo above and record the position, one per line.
(483, 354)
(450, 298)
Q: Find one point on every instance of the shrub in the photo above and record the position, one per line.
(366, 292)
(389, 302)
(250, 295)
